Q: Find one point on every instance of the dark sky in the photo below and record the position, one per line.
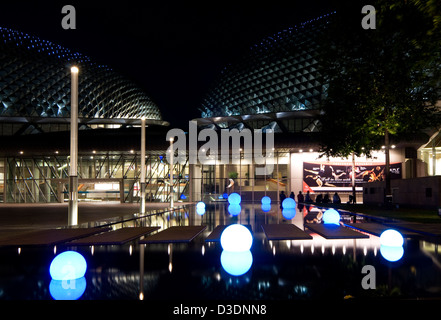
(173, 49)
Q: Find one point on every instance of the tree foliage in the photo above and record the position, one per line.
(380, 81)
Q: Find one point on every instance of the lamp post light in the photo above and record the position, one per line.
(142, 210)
(171, 173)
(73, 169)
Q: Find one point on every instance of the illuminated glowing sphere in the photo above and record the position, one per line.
(391, 238)
(391, 253)
(200, 204)
(236, 263)
(234, 198)
(68, 265)
(200, 211)
(67, 289)
(266, 207)
(331, 216)
(288, 213)
(236, 238)
(288, 203)
(234, 209)
(225, 195)
(266, 200)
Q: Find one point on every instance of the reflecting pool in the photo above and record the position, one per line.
(293, 269)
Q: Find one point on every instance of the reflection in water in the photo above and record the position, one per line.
(391, 254)
(289, 213)
(316, 269)
(234, 209)
(67, 289)
(236, 263)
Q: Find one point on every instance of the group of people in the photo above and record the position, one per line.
(307, 198)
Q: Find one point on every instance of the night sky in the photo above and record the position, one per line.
(173, 49)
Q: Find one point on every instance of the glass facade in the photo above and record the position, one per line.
(102, 176)
(35, 89)
(210, 182)
(280, 74)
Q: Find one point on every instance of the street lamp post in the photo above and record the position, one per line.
(142, 210)
(171, 172)
(73, 169)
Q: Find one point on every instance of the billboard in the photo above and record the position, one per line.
(337, 176)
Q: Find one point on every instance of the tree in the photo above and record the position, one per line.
(383, 83)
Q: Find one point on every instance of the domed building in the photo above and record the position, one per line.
(35, 85)
(35, 90)
(278, 86)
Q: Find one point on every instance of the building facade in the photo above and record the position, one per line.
(34, 127)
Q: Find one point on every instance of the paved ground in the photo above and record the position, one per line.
(48, 215)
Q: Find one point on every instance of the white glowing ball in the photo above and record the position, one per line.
(288, 203)
(200, 204)
(331, 216)
(236, 263)
(68, 265)
(234, 198)
(391, 238)
(236, 238)
(266, 200)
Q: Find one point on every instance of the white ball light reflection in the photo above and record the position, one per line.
(266, 207)
(391, 254)
(67, 289)
(236, 238)
(200, 211)
(236, 263)
(234, 209)
(288, 213)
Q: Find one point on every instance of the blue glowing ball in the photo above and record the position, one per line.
(236, 263)
(234, 198)
(331, 216)
(225, 195)
(391, 254)
(67, 289)
(266, 200)
(391, 238)
(266, 207)
(289, 213)
(68, 265)
(234, 209)
(183, 197)
(200, 211)
(236, 238)
(288, 203)
(200, 204)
